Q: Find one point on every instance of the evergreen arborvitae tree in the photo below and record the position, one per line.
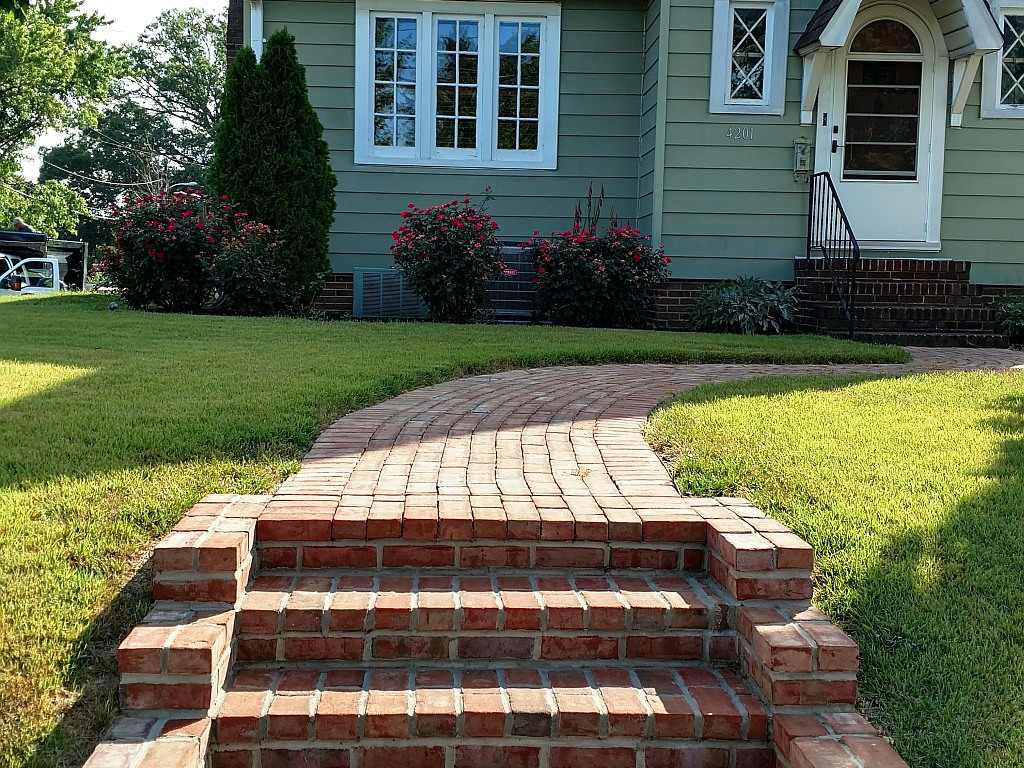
(272, 159)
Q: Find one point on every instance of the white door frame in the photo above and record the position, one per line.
(935, 71)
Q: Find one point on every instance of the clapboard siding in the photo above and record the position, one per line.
(649, 120)
(601, 83)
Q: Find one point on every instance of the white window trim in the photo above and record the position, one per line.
(776, 41)
(486, 155)
(992, 69)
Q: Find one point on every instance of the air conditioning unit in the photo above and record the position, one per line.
(383, 293)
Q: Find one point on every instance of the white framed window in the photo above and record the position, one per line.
(1002, 86)
(457, 84)
(748, 57)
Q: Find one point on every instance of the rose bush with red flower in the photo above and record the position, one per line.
(602, 280)
(448, 253)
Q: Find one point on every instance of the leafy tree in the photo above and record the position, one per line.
(48, 206)
(53, 73)
(271, 157)
(14, 8)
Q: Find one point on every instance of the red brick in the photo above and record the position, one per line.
(722, 720)
(393, 607)
(570, 557)
(277, 557)
(648, 610)
(232, 758)
(196, 649)
(627, 715)
(494, 557)
(791, 551)
(506, 757)
(636, 557)
(479, 605)
(223, 552)
(531, 711)
(500, 647)
(435, 709)
(578, 712)
(605, 757)
(414, 647)
(256, 649)
(304, 758)
(675, 647)
(413, 556)
(420, 523)
(564, 609)
(176, 551)
(163, 754)
(837, 652)
(348, 610)
(874, 751)
(782, 648)
(319, 648)
(482, 704)
(755, 758)
(166, 695)
(337, 715)
(672, 527)
(304, 611)
(400, 757)
(820, 753)
(769, 588)
(288, 717)
(140, 652)
(582, 647)
(673, 714)
(388, 705)
(691, 757)
(746, 551)
(349, 523)
(522, 609)
(239, 717)
(198, 590)
(339, 556)
(294, 526)
(435, 605)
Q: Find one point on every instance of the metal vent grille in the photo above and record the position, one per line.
(383, 293)
(510, 296)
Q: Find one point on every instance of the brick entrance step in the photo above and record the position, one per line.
(438, 717)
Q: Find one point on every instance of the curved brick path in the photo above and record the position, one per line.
(496, 571)
(530, 443)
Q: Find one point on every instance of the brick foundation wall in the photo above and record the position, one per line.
(235, 32)
(674, 300)
(336, 297)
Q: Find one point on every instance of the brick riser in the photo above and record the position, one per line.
(903, 301)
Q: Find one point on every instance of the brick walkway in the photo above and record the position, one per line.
(496, 571)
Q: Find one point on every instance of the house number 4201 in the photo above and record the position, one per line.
(740, 133)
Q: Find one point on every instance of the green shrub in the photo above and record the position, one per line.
(250, 275)
(270, 156)
(164, 248)
(448, 253)
(746, 305)
(1010, 317)
(587, 279)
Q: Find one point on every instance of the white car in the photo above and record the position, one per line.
(31, 275)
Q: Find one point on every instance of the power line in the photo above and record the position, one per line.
(100, 181)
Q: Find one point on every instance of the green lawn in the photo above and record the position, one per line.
(911, 491)
(113, 423)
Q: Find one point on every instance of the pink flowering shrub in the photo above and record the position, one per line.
(448, 253)
(606, 280)
(251, 276)
(164, 249)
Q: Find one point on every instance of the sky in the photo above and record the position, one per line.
(127, 20)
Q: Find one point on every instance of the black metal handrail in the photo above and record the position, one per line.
(829, 231)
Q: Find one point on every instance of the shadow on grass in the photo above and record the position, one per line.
(938, 611)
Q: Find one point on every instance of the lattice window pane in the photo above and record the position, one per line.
(749, 43)
(394, 81)
(519, 54)
(458, 50)
(1011, 90)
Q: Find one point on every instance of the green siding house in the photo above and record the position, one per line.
(703, 120)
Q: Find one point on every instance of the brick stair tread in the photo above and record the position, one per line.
(612, 702)
(513, 615)
(933, 339)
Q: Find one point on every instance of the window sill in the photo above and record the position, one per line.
(507, 165)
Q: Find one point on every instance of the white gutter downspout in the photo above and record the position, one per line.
(256, 27)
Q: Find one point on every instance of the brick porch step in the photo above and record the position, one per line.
(438, 716)
(514, 615)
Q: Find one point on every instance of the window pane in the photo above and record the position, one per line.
(879, 161)
(528, 103)
(385, 33)
(508, 37)
(446, 71)
(467, 68)
(446, 34)
(886, 36)
(506, 134)
(882, 100)
(407, 34)
(384, 131)
(529, 38)
(527, 135)
(395, 86)
(872, 128)
(384, 66)
(467, 102)
(882, 126)
(529, 70)
(406, 131)
(749, 41)
(469, 36)
(446, 100)
(445, 133)
(507, 106)
(507, 70)
(467, 134)
(1012, 71)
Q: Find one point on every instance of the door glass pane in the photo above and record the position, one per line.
(883, 102)
(456, 81)
(394, 87)
(1011, 90)
(749, 41)
(885, 36)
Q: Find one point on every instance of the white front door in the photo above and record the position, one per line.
(881, 129)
